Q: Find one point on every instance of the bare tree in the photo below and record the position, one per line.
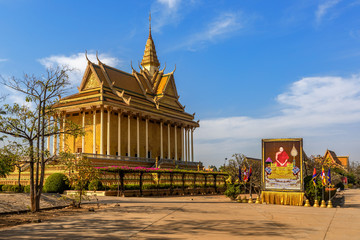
(34, 124)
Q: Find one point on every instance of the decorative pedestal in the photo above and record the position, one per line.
(307, 203)
(316, 203)
(329, 204)
(283, 198)
(323, 204)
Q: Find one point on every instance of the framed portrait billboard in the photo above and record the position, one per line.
(282, 164)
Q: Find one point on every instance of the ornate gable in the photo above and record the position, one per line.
(91, 82)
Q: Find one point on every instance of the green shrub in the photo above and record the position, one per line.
(56, 183)
(310, 189)
(27, 189)
(131, 187)
(95, 185)
(350, 185)
(232, 191)
(7, 188)
(17, 188)
(12, 188)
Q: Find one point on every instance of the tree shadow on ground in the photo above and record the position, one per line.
(143, 222)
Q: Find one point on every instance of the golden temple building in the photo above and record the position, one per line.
(129, 118)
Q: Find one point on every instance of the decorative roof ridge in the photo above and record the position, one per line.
(115, 69)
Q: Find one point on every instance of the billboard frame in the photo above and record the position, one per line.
(263, 142)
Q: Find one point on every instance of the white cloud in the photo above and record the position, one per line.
(171, 4)
(78, 62)
(312, 107)
(166, 12)
(3, 60)
(223, 26)
(323, 9)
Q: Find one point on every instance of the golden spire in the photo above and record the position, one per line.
(150, 60)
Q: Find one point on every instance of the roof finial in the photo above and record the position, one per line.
(150, 23)
(87, 56)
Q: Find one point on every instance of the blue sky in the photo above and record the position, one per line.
(249, 69)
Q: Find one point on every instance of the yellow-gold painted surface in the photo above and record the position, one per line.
(283, 198)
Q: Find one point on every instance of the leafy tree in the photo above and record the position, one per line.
(82, 172)
(241, 161)
(6, 165)
(33, 125)
(13, 153)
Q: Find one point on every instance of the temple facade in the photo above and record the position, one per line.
(133, 117)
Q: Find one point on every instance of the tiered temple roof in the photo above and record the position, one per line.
(149, 90)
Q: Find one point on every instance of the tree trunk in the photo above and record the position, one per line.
(42, 176)
(38, 133)
(32, 187)
(19, 177)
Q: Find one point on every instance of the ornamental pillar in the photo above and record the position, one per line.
(108, 131)
(188, 142)
(186, 145)
(63, 128)
(102, 130)
(55, 136)
(147, 137)
(175, 142)
(48, 138)
(137, 136)
(83, 127)
(129, 119)
(161, 141)
(168, 130)
(182, 143)
(119, 133)
(94, 129)
(192, 144)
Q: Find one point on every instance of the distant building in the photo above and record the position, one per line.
(339, 160)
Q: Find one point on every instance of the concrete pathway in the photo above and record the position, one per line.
(200, 217)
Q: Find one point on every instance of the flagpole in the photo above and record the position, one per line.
(250, 199)
(323, 183)
(329, 182)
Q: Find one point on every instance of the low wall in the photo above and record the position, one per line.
(153, 192)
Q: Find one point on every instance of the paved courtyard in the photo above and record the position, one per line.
(199, 217)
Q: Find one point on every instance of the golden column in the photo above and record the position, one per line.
(192, 144)
(55, 136)
(147, 137)
(119, 133)
(63, 128)
(186, 145)
(169, 155)
(188, 142)
(108, 131)
(101, 130)
(49, 137)
(182, 143)
(137, 136)
(161, 141)
(83, 127)
(175, 143)
(129, 134)
(94, 129)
